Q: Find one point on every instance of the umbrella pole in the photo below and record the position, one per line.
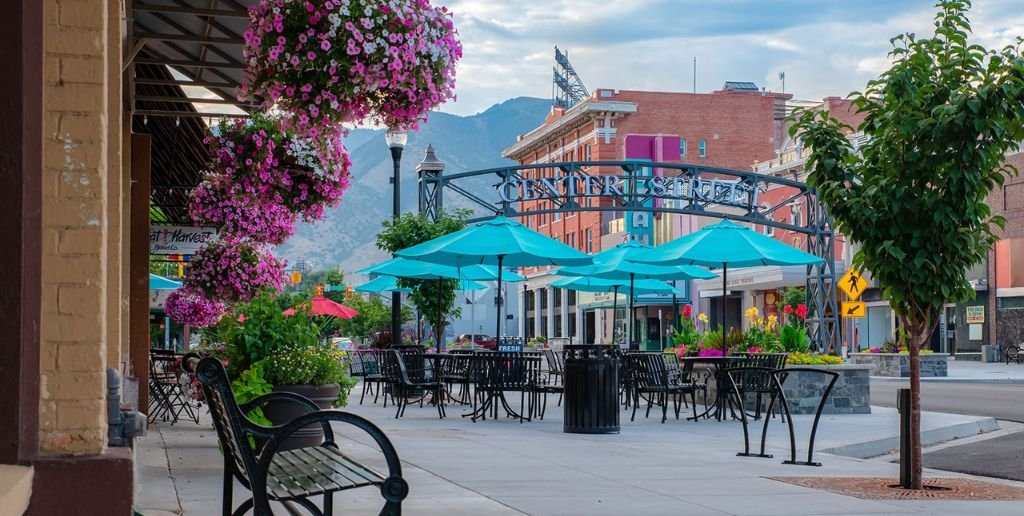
(438, 331)
(497, 317)
(615, 309)
(725, 317)
(631, 314)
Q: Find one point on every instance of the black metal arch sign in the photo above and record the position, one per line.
(639, 188)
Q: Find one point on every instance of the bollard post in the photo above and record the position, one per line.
(903, 405)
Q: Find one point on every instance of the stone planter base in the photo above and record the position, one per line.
(851, 394)
(897, 365)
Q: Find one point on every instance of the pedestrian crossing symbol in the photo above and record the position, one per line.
(853, 284)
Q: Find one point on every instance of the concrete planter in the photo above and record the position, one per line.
(897, 365)
(850, 395)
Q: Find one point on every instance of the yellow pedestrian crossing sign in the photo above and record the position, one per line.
(853, 284)
(854, 309)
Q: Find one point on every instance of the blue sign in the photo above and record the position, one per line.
(640, 224)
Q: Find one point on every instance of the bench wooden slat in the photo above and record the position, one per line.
(326, 469)
(337, 460)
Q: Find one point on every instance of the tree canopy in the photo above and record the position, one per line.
(434, 299)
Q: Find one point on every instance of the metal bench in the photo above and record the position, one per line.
(1012, 353)
(291, 477)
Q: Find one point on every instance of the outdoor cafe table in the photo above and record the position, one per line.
(721, 404)
(492, 378)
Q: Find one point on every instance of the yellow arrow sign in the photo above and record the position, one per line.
(854, 309)
(853, 284)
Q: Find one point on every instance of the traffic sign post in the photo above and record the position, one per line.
(853, 283)
(854, 309)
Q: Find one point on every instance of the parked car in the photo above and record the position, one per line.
(484, 341)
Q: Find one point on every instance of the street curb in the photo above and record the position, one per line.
(875, 448)
(952, 380)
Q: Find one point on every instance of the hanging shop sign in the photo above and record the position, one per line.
(682, 189)
(975, 314)
(178, 239)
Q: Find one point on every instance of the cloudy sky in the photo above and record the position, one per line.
(825, 47)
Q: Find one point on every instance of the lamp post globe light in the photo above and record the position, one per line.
(396, 139)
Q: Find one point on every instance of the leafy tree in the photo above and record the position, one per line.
(940, 121)
(374, 315)
(433, 298)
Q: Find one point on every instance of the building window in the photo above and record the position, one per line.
(682, 147)
(589, 245)
(586, 150)
(557, 216)
(702, 149)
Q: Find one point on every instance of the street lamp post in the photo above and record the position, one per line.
(396, 139)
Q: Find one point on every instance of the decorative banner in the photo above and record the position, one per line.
(178, 239)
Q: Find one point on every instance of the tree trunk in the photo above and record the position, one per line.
(917, 327)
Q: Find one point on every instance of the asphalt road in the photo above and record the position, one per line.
(999, 457)
(999, 400)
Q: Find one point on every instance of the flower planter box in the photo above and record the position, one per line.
(897, 365)
(851, 394)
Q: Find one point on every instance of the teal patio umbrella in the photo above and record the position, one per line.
(617, 263)
(417, 269)
(162, 283)
(725, 245)
(381, 284)
(499, 241)
(414, 269)
(591, 284)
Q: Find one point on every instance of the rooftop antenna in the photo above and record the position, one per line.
(782, 77)
(566, 88)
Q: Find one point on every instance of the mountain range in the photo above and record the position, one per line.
(346, 236)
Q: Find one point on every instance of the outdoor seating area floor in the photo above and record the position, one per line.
(496, 467)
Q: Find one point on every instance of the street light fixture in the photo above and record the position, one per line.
(396, 139)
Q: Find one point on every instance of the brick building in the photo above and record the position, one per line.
(1005, 268)
(733, 128)
(92, 119)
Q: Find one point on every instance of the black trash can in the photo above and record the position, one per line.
(591, 389)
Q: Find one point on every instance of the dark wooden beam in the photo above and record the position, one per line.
(138, 267)
(197, 11)
(188, 38)
(21, 160)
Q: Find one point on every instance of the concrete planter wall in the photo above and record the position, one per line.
(897, 365)
(851, 394)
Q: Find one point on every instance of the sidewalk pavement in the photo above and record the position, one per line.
(975, 372)
(497, 467)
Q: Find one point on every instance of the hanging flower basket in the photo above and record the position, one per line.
(215, 203)
(333, 61)
(234, 271)
(262, 164)
(190, 306)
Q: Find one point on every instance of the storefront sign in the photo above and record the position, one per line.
(975, 314)
(178, 239)
(682, 189)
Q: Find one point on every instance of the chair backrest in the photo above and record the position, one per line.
(227, 417)
(370, 361)
(355, 364)
(503, 370)
(554, 361)
(648, 370)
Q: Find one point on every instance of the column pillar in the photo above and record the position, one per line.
(550, 330)
(537, 330)
(565, 311)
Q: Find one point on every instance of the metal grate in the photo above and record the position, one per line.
(879, 488)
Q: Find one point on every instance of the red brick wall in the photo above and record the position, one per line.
(844, 110)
